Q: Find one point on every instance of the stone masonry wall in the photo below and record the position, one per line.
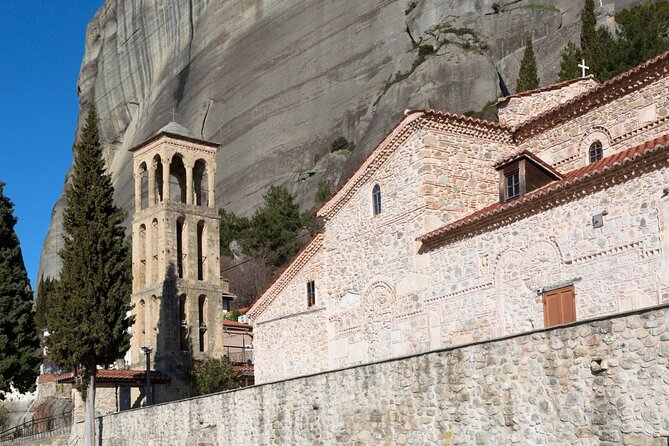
(519, 109)
(602, 382)
(640, 116)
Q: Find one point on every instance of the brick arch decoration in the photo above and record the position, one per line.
(377, 319)
(597, 133)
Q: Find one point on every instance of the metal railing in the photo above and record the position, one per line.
(238, 355)
(39, 428)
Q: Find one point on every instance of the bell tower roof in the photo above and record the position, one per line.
(176, 131)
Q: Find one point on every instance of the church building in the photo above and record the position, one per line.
(456, 230)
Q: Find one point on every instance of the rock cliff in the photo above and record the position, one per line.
(276, 81)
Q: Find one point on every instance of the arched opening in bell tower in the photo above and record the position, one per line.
(158, 178)
(154, 251)
(180, 247)
(140, 323)
(141, 264)
(144, 186)
(201, 256)
(177, 180)
(200, 183)
(183, 323)
(202, 322)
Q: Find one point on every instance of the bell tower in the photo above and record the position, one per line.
(176, 286)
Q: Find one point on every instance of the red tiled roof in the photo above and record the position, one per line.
(244, 310)
(621, 85)
(555, 86)
(243, 369)
(120, 376)
(527, 154)
(47, 378)
(227, 323)
(496, 211)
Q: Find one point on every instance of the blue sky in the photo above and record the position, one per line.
(41, 48)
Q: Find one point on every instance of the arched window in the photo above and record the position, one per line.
(140, 322)
(141, 266)
(177, 180)
(200, 183)
(376, 199)
(201, 257)
(596, 152)
(180, 248)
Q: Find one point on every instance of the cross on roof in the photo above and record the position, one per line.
(583, 67)
(174, 114)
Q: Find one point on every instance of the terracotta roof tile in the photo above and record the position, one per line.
(555, 86)
(120, 376)
(576, 176)
(227, 323)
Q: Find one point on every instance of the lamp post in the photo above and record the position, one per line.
(149, 391)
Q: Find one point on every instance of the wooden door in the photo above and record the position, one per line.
(559, 306)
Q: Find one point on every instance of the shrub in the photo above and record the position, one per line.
(341, 143)
(214, 375)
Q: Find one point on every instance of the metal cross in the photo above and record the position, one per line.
(583, 67)
(174, 114)
(600, 3)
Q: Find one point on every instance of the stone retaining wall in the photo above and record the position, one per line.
(597, 382)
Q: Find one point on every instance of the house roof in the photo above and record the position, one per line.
(545, 88)
(532, 157)
(602, 94)
(113, 376)
(499, 214)
(244, 370)
(414, 120)
(235, 324)
(176, 131)
(282, 278)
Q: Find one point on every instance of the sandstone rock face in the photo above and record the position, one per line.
(275, 82)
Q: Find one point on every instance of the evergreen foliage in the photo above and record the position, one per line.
(214, 375)
(641, 35)
(528, 79)
(323, 192)
(571, 58)
(45, 288)
(88, 309)
(273, 230)
(19, 343)
(342, 143)
(231, 226)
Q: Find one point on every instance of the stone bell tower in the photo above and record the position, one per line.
(176, 287)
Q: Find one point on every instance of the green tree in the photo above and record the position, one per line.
(528, 79)
(19, 343)
(45, 288)
(88, 309)
(342, 143)
(571, 57)
(214, 375)
(589, 32)
(272, 234)
(323, 192)
(642, 32)
(231, 227)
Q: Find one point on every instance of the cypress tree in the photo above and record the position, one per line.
(19, 343)
(88, 308)
(528, 79)
(44, 288)
(588, 29)
(571, 57)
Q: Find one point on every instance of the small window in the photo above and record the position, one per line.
(559, 306)
(311, 293)
(512, 185)
(376, 199)
(596, 152)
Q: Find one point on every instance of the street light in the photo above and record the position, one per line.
(149, 391)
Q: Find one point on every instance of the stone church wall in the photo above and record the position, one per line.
(600, 382)
(487, 285)
(638, 117)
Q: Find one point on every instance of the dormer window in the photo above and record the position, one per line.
(595, 152)
(523, 173)
(512, 185)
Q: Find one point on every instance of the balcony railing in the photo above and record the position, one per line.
(36, 429)
(238, 355)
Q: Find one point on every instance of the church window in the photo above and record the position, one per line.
(177, 180)
(376, 199)
(559, 306)
(202, 323)
(311, 293)
(512, 185)
(141, 266)
(596, 152)
(158, 178)
(144, 186)
(183, 323)
(154, 251)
